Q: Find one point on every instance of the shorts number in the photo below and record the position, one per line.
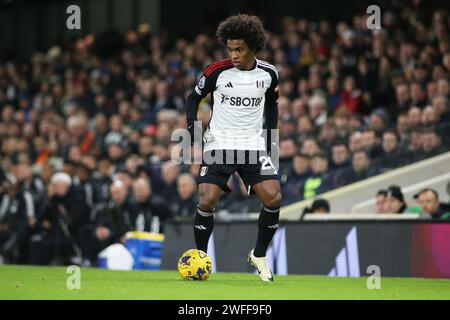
(266, 163)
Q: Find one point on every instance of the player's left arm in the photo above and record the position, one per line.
(271, 111)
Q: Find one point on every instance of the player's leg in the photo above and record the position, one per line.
(212, 181)
(262, 178)
(209, 195)
(269, 192)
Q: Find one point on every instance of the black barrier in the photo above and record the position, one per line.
(397, 248)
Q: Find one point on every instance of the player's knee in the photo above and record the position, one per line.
(273, 200)
(207, 203)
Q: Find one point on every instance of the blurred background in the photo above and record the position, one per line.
(28, 25)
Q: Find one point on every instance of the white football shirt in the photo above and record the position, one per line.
(239, 99)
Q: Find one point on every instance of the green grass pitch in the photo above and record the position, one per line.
(23, 282)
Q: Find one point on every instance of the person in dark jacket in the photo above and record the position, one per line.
(296, 178)
(16, 207)
(30, 182)
(112, 220)
(102, 180)
(55, 233)
(186, 196)
(152, 210)
(361, 169)
(431, 206)
(169, 173)
(393, 155)
(340, 161)
(85, 182)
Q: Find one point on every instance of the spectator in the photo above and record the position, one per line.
(431, 207)
(80, 133)
(298, 107)
(349, 51)
(112, 219)
(116, 152)
(152, 211)
(355, 122)
(55, 232)
(402, 128)
(340, 156)
(431, 144)
(429, 117)
(440, 104)
(169, 173)
(395, 202)
(305, 125)
(318, 206)
(124, 175)
(317, 106)
(320, 180)
(296, 177)
(380, 202)
(417, 94)
(379, 119)
(341, 120)
(30, 182)
(16, 211)
(145, 147)
(362, 168)
(310, 147)
(415, 144)
(102, 180)
(333, 93)
(288, 148)
(83, 180)
(328, 134)
(186, 194)
(371, 142)
(414, 117)
(403, 100)
(351, 97)
(340, 160)
(393, 155)
(356, 142)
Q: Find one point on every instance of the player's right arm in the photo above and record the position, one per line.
(204, 86)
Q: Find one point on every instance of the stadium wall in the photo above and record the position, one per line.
(398, 248)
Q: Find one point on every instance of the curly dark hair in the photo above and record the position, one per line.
(243, 26)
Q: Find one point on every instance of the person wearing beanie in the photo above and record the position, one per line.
(395, 202)
(320, 206)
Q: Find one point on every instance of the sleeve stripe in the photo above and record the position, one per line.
(268, 65)
(215, 66)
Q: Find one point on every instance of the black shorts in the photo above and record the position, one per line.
(252, 166)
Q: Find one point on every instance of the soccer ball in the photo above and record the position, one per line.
(195, 264)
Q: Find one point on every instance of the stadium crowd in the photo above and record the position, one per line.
(85, 129)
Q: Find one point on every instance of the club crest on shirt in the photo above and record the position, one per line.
(259, 84)
(203, 171)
